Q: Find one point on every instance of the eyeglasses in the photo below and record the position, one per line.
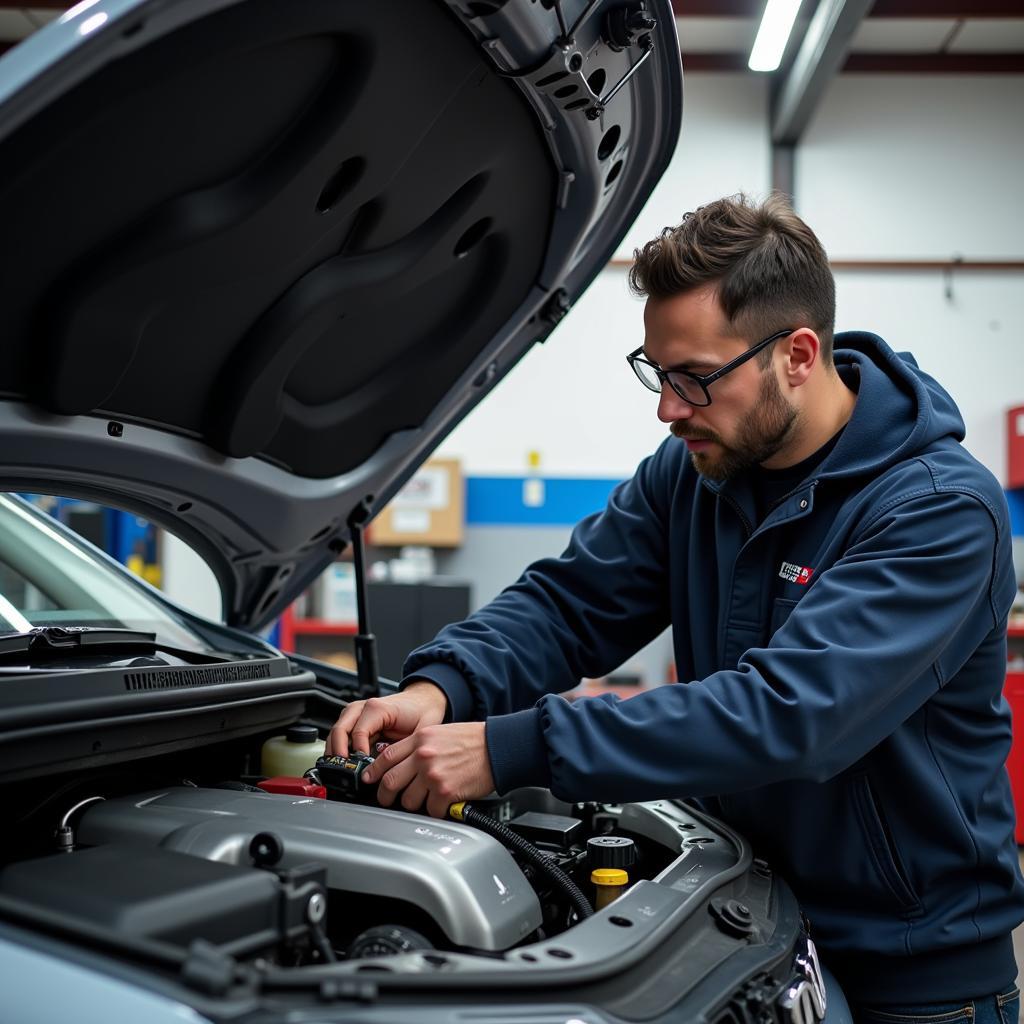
(691, 387)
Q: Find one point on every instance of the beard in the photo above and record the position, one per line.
(761, 434)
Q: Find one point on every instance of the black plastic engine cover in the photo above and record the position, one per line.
(140, 892)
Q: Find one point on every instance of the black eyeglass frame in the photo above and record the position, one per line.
(702, 382)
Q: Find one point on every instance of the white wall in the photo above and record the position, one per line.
(972, 343)
(892, 167)
(903, 167)
(723, 148)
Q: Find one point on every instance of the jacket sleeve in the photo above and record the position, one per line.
(581, 614)
(876, 635)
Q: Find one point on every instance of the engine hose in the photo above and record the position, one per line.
(471, 816)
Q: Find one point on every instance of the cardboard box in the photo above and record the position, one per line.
(429, 509)
(337, 593)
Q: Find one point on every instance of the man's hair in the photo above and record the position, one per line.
(767, 266)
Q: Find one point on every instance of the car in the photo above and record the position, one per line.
(262, 258)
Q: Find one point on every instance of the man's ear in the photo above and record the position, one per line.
(800, 354)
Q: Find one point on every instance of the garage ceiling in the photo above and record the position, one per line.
(897, 36)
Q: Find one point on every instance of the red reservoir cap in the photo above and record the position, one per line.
(292, 785)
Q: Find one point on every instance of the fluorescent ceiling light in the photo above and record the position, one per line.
(773, 34)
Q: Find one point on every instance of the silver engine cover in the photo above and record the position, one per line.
(465, 880)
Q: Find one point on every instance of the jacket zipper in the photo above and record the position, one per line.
(775, 504)
(747, 525)
(810, 485)
(743, 519)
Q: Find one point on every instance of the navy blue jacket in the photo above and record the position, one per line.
(845, 660)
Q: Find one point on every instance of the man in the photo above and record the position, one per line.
(836, 570)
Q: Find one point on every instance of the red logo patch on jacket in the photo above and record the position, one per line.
(794, 573)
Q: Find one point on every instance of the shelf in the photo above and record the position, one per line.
(321, 627)
(291, 627)
(1015, 630)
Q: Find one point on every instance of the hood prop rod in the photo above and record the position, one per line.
(365, 641)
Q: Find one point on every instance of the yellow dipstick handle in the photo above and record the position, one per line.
(610, 883)
(456, 811)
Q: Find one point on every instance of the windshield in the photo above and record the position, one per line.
(48, 578)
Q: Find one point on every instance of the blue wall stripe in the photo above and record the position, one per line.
(1015, 499)
(498, 500)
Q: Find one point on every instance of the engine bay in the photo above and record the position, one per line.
(221, 863)
(214, 886)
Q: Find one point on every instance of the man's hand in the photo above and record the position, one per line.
(439, 764)
(393, 718)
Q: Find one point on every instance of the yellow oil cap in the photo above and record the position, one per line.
(609, 876)
(611, 883)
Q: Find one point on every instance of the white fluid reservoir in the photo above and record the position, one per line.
(294, 753)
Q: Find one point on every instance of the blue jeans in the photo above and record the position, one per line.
(1000, 1009)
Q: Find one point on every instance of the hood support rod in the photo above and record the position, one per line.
(365, 641)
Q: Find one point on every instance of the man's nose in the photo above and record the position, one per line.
(671, 407)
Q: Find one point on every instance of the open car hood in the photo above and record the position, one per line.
(261, 257)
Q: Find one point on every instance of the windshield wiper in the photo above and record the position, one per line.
(57, 640)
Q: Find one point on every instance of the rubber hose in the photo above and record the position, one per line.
(529, 852)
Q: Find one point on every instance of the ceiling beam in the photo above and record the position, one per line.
(947, 9)
(718, 8)
(883, 63)
(714, 61)
(821, 55)
(881, 9)
(935, 63)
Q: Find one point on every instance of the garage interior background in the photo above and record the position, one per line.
(909, 170)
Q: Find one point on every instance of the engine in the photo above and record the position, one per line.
(295, 879)
(463, 880)
(226, 892)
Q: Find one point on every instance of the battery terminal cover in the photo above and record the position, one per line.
(554, 830)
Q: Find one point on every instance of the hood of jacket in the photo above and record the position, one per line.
(900, 409)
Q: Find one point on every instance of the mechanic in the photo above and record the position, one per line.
(837, 572)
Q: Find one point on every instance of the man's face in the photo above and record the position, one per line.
(749, 419)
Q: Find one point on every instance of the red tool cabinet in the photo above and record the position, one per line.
(1015, 447)
(1014, 691)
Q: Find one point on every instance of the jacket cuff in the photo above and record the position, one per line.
(449, 680)
(516, 748)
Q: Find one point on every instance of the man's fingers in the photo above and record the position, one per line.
(414, 794)
(337, 738)
(362, 735)
(374, 716)
(394, 769)
(438, 804)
